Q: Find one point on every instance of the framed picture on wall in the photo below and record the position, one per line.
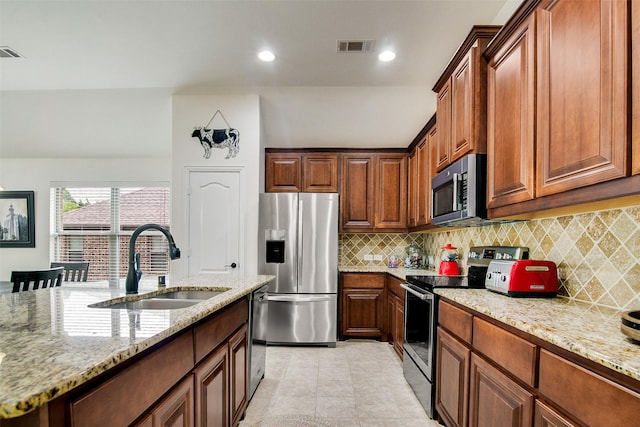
(17, 221)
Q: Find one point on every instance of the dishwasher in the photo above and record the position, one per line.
(258, 315)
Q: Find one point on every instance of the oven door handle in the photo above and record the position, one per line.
(422, 296)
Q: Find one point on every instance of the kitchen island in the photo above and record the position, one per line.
(52, 343)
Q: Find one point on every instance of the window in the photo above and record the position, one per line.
(94, 224)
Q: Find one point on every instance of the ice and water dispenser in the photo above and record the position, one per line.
(275, 240)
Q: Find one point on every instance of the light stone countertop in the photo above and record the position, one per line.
(588, 330)
(52, 342)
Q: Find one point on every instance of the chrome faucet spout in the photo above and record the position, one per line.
(134, 273)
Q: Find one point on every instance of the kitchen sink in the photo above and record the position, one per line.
(151, 304)
(189, 295)
(165, 301)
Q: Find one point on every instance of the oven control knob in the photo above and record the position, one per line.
(489, 276)
(503, 277)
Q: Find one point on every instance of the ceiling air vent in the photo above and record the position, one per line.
(356, 46)
(7, 52)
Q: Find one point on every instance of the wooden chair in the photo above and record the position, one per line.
(36, 279)
(73, 271)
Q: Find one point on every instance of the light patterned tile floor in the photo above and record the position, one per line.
(357, 384)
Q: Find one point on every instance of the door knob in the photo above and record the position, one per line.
(233, 265)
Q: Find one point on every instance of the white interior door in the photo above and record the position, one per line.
(214, 222)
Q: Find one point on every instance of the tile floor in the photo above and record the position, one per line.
(358, 383)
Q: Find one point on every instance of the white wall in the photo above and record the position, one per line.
(37, 175)
(243, 113)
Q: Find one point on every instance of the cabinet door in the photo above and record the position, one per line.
(495, 399)
(581, 93)
(510, 120)
(412, 188)
(398, 334)
(461, 107)
(283, 172)
(391, 318)
(452, 379)
(212, 389)
(357, 197)
(423, 182)
(635, 85)
(433, 167)
(176, 409)
(320, 173)
(238, 374)
(546, 416)
(363, 312)
(391, 196)
(443, 118)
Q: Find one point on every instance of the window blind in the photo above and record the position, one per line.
(94, 224)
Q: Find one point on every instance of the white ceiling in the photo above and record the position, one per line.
(310, 96)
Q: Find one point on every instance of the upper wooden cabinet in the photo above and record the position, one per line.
(373, 194)
(510, 119)
(420, 172)
(582, 109)
(461, 102)
(307, 172)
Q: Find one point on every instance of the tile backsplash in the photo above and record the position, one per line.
(597, 253)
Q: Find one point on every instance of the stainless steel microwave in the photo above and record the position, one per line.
(458, 193)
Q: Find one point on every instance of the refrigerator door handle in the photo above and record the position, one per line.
(299, 298)
(300, 225)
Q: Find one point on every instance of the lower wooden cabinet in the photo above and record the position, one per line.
(395, 323)
(545, 416)
(238, 358)
(452, 379)
(362, 305)
(175, 410)
(495, 399)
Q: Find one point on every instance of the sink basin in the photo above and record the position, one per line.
(152, 304)
(189, 295)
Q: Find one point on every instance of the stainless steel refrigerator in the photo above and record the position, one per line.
(298, 243)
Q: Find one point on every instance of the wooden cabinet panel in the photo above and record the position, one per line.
(423, 181)
(320, 173)
(357, 192)
(581, 93)
(391, 191)
(238, 357)
(176, 409)
(545, 416)
(496, 400)
(585, 395)
(412, 188)
(212, 389)
(443, 118)
(516, 355)
(398, 331)
(635, 85)
(457, 321)
(363, 312)
(452, 379)
(108, 402)
(510, 119)
(283, 172)
(213, 332)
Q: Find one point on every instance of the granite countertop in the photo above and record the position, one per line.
(399, 272)
(51, 341)
(588, 330)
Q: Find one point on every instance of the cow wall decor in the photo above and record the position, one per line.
(218, 138)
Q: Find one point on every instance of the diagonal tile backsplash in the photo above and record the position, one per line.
(597, 253)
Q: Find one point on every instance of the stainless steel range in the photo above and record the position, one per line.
(421, 317)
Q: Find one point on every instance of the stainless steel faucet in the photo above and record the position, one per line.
(134, 274)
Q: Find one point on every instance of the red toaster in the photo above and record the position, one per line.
(522, 278)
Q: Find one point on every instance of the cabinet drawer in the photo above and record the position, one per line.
(363, 280)
(590, 398)
(393, 286)
(513, 353)
(457, 321)
(213, 332)
(130, 393)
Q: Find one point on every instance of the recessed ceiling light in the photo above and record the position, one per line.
(387, 56)
(266, 56)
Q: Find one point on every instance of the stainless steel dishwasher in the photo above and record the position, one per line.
(258, 315)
